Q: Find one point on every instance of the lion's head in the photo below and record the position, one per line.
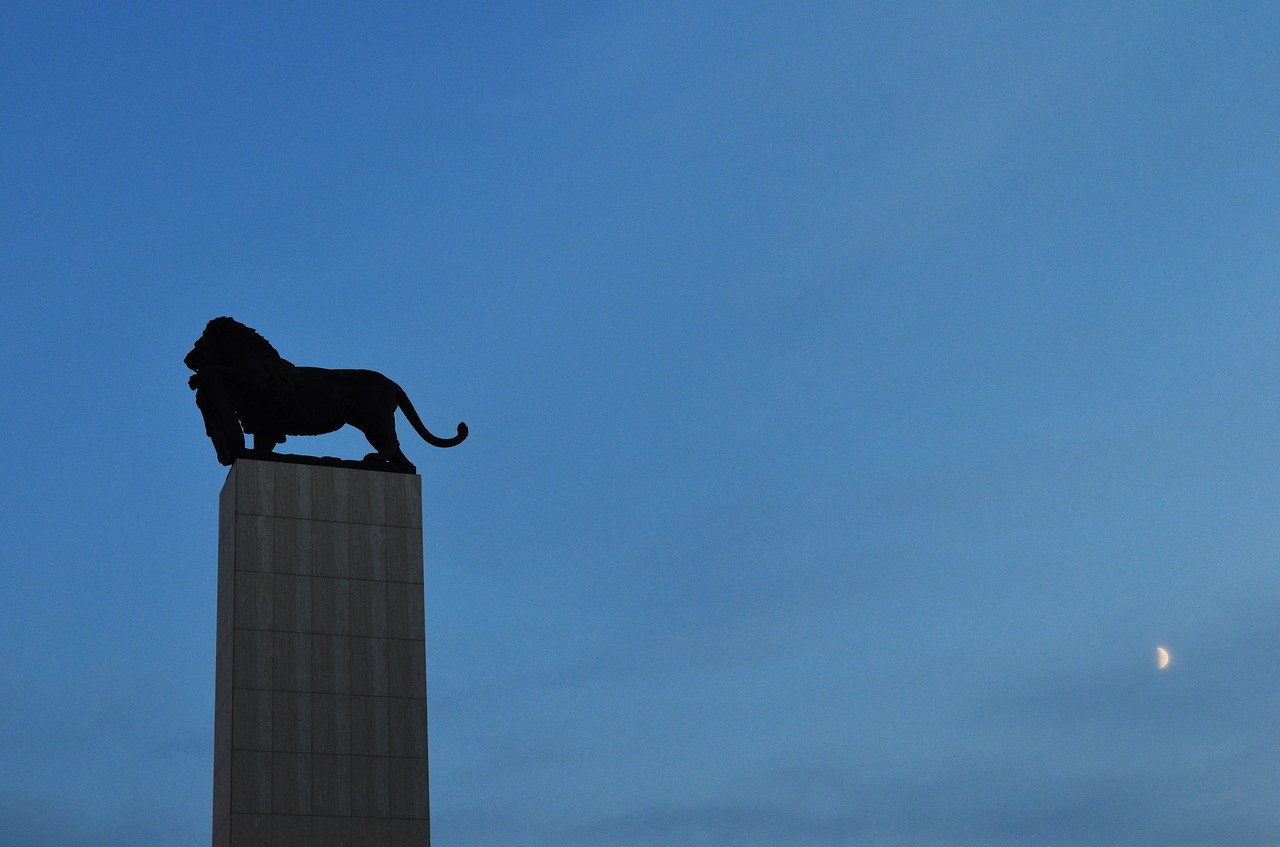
(226, 341)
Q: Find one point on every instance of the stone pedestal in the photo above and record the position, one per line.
(320, 733)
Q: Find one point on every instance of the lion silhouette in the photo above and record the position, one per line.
(243, 386)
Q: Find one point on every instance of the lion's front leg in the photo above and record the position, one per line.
(216, 404)
(265, 443)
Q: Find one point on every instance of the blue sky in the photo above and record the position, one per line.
(859, 394)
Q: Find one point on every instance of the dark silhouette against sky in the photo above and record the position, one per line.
(243, 386)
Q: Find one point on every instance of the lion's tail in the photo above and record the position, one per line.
(411, 414)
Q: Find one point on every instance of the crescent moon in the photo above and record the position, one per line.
(1162, 658)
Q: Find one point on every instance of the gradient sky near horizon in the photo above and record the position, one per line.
(859, 394)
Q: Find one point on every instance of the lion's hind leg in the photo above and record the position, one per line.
(382, 437)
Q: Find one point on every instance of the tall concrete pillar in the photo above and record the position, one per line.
(320, 729)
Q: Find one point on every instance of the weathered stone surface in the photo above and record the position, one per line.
(407, 725)
(320, 732)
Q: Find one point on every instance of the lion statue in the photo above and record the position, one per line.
(243, 386)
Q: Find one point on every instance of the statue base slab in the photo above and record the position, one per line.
(329, 462)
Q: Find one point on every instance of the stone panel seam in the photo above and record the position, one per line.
(335, 635)
(325, 520)
(326, 576)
